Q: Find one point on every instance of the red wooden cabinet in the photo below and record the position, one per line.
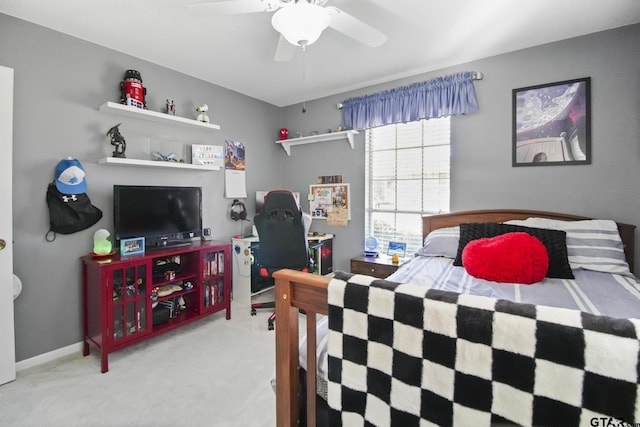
(216, 283)
(129, 299)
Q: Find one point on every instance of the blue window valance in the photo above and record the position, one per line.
(444, 96)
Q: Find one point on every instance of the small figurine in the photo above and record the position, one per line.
(171, 157)
(202, 117)
(118, 141)
(284, 134)
(132, 92)
(170, 108)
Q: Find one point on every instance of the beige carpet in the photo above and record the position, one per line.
(213, 372)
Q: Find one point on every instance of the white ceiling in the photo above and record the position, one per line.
(237, 51)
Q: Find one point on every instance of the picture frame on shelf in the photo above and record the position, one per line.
(133, 246)
(552, 124)
(208, 155)
(397, 248)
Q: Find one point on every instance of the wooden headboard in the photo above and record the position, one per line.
(433, 222)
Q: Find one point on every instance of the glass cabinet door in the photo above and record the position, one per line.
(213, 278)
(130, 290)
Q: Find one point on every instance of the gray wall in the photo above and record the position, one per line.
(481, 172)
(60, 81)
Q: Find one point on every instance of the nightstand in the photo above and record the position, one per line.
(379, 267)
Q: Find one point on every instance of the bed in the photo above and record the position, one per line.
(300, 291)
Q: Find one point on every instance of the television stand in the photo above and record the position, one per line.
(119, 294)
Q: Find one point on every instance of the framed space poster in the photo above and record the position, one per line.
(552, 124)
(330, 202)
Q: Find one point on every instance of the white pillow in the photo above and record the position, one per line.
(593, 244)
(441, 242)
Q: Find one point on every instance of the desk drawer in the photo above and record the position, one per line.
(372, 269)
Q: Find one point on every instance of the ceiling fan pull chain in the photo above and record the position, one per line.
(304, 94)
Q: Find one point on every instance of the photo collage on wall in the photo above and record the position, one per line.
(330, 202)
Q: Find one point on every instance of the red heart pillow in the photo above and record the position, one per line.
(509, 258)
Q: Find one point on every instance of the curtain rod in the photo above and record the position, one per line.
(476, 75)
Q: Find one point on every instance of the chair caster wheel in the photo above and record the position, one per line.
(253, 311)
(270, 327)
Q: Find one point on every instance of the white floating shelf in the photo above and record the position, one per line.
(332, 136)
(153, 116)
(116, 161)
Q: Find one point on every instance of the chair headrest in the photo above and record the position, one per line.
(280, 199)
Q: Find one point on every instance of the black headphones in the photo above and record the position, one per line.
(238, 210)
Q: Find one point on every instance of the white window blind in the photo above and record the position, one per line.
(407, 176)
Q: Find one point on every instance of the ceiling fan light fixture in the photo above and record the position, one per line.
(301, 23)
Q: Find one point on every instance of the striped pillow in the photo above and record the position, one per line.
(591, 244)
(441, 242)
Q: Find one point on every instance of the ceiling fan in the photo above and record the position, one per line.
(299, 22)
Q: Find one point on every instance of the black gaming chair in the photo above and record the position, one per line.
(283, 239)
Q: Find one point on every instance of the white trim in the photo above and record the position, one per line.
(7, 322)
(49, 356)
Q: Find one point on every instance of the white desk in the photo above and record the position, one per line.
(243, 254)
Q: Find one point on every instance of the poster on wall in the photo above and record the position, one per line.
(330, 202)
(552, 124)
(234, 178)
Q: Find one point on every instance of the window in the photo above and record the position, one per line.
(407, 176)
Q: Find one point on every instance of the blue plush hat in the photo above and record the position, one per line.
(70, 177)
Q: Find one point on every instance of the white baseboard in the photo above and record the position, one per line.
(48, 357)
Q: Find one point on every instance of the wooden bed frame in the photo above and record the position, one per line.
(296, 290)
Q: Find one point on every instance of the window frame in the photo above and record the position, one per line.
(429, 139)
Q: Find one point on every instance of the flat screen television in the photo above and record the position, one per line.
(163, 215)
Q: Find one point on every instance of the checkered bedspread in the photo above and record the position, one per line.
(401, 355)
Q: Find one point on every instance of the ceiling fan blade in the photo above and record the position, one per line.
(284, 51)
(356, 29)
(228, 7)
